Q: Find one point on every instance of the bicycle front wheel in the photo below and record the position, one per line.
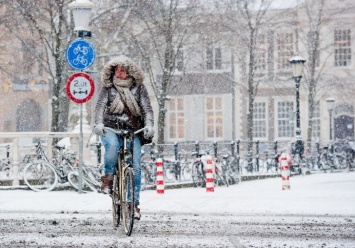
(128, 198)
(40, 176)
(186, 171)
(73, 179)
(169, 170)
(116, 204)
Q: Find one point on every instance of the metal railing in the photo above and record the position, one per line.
(18, 150)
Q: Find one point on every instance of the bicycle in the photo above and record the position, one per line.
(91, 177)
(198, 172)
(42, 175)
(149, 170)
(220, 173)
(122, 193)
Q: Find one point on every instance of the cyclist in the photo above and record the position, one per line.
(123, 103)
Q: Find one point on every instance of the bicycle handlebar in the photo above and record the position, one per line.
(120, 132)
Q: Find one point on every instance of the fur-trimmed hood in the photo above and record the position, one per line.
(132, 70)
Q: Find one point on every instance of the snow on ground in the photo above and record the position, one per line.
(316, 194)
(318, 211)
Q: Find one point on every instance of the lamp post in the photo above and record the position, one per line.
(297, 64)
(330, 106)
(81, 10)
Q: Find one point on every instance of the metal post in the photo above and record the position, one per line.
(232, 147)
(318, 154)
(257, 155)
(238, 155)
(197, 147)
(215, 149)
(81, 151)
(298, 122)
(176, 151)
(330, 125)
(233, 97)
(275, 154)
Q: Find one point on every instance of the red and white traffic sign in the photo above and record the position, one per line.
(80, 87)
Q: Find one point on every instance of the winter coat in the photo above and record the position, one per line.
(108, 93)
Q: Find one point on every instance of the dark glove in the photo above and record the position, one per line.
(148, 132)
(99, 129)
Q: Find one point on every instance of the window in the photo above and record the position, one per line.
(179, 60)
(284, 50)
(214, 117)
(316, 121)
(285, 126)
(259, 120)
(342, 47)
(176, 118)
(261, 52)
(214, 57)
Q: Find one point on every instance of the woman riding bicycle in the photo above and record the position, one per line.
(123, 104)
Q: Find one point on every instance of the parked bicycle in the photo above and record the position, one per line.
(91, 176)
(332, 157)
(40, 174)
(198, 170)
(178, 169)
(149, 169)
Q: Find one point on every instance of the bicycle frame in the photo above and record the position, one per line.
(123, 197)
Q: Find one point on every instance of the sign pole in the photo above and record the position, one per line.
(81, 151)
(80, 86)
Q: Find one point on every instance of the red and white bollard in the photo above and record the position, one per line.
(285, 164)
(160, 176)
(209, 174)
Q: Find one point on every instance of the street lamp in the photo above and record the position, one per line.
(81, 10)
(330, 106)
(297, 64)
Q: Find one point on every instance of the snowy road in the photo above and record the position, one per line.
(176, 230)
(318, 211)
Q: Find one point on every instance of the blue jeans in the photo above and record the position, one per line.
(112, 144)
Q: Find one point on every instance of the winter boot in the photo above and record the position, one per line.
(106, 184)
(137, 213)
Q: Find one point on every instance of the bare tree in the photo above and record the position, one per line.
(163, 29)
(247, 20)
(318, 39)
(44, 25)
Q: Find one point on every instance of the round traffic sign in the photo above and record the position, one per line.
(80, 54)
(80, 87)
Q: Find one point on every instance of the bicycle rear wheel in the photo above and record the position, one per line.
(116, 206)
(128, 199)
(40, 176)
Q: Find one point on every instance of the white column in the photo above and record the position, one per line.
(86, 135)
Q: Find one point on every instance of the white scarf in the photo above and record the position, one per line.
(117, 106)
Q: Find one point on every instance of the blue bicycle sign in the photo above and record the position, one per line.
(80, 54)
